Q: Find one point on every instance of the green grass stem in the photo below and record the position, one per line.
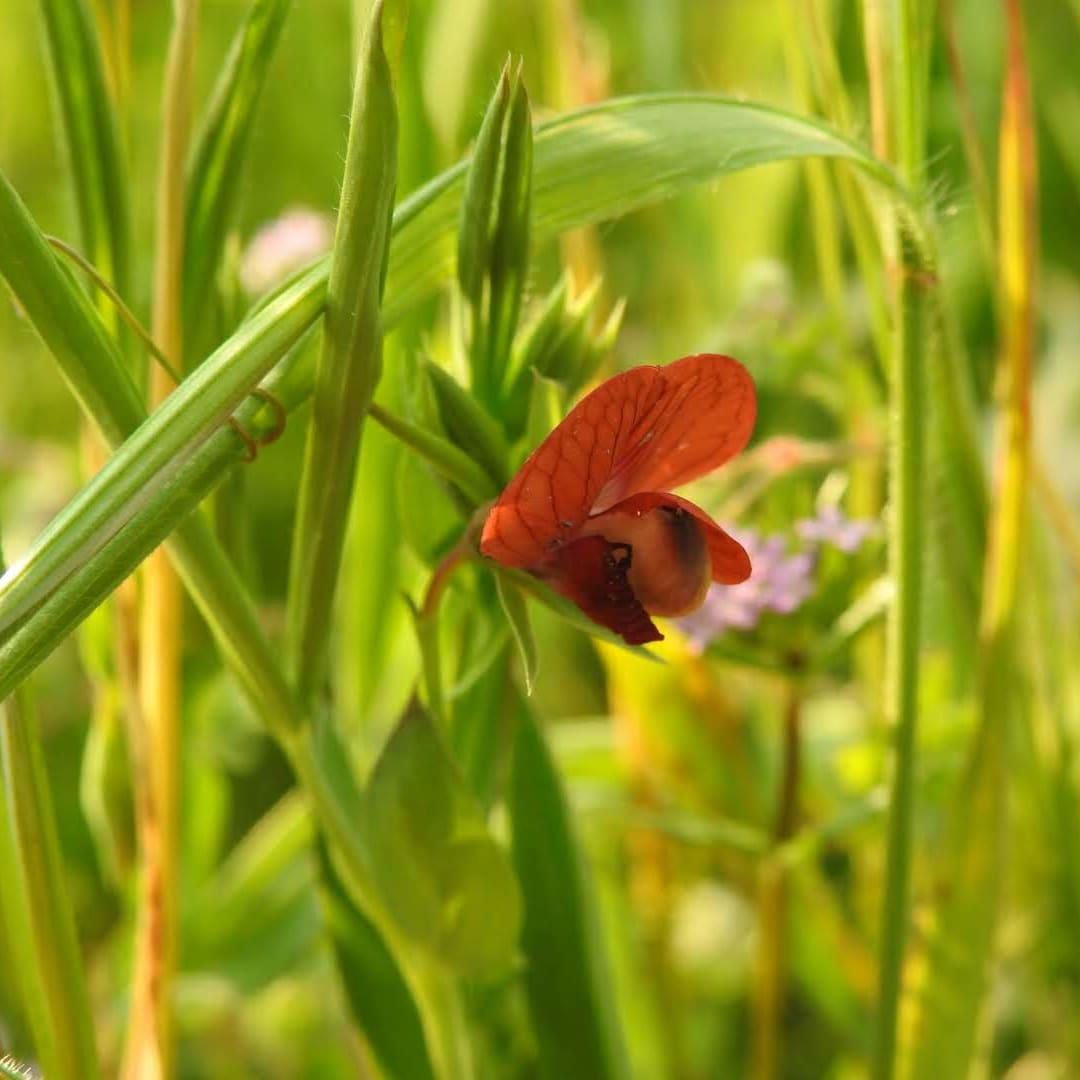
(47, 966)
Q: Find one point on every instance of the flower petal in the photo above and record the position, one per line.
(648, 428)
(592, 573)
(730, 562)
(703, 418)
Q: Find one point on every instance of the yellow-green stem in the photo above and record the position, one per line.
(905, 554)
(149, 1051)
(897, 70)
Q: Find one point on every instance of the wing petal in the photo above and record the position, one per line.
(730, 562)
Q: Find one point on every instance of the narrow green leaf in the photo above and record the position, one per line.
(517, 615)
(606, 160)
(469, 427)
(426, 627)
(480, 729)
(571, 613)
(378, 996)
(89, 360)
(566, 975)
(559, 345)
(88, 581)
(217, 162)
(350, 362)
(451, 463)
(105, 781)
(374, 659)
(281, 836)
(90, 131)
(960, 951)
(442, 877)
(67, 322)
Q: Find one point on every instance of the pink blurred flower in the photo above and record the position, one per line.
(283, 245)
(831, 527)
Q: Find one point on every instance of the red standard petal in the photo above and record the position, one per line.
(703, 418)
(649, 428)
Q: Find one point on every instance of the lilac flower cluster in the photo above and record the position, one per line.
(831, 527)
(781, 580)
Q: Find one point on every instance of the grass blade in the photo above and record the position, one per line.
(378, 996)
(217, 162)
(443, 456)
(962, 950)
(155, 454)
(41, 926)
(566, 978)
(517, 615)
(66, 321)
(607, 160)
(351, 359)
(93, 145)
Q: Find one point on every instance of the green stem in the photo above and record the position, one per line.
(34, 899)
(150, 1045)
(772, 901)
(905, 552)
(895, 43)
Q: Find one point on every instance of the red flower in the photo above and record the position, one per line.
(589, 512)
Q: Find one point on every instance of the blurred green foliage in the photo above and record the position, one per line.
(638, 803)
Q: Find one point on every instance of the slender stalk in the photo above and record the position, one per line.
(897, 69)
(151, 1037)
(769, 989)
(905, 553)
(46, 966)
(1017, 229)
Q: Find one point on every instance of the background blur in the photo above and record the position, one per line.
(710, 841)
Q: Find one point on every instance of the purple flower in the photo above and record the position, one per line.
(831, 527)
(780, 582)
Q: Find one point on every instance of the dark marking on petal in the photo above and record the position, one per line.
(592, 573)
